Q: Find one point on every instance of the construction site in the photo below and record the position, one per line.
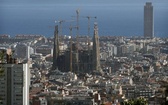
(82, 54)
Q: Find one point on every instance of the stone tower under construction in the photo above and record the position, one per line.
(56, 49)
(96, 50)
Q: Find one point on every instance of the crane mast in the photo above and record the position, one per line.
(60, 30)
(77, 38)
(70, 28)
(88, 40)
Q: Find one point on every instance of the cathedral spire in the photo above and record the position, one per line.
(96, 50)
(56, 49)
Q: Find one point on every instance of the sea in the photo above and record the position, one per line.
(113, 17)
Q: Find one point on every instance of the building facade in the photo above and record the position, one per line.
(148, 20)
(96, 50)
(15, 81)
(56, 49)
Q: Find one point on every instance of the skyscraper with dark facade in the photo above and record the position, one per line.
(148, 20)
(96, 50)
(56, 49)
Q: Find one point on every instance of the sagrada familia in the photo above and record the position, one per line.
(74, 59)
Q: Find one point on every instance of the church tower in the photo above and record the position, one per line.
(56, 49)
(96, 50)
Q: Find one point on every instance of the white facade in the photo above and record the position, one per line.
(14, 88)
(112, 50)
(29, 51)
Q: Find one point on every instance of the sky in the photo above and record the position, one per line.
(114, 17)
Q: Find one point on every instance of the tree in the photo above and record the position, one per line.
(166, 95)
(137, 101)
(2, 54)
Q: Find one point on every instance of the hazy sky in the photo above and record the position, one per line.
(71, 2)
(33, 16)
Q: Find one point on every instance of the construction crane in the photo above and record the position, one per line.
(77, 19)
(88, 40)
(88, 17)
(70, 28)
(60, 28)
(60, 24)
(77, 37)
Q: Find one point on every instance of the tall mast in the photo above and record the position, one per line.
(70, 28)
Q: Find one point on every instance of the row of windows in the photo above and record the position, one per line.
(2, 87)
(19, 95)
(18, 83)
(17, 79)
(18, 99)
(146, 91)
(2, 78)
(145, 94)
(2, 83)
(2, 91)
(17, 103)
(2, 103)
(17, 87)
(2, 95)
(18, 71)
(132, 94)
(139, 92)
(17, 90)
(18, 75)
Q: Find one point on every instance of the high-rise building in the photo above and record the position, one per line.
(96, 50)
(56, 49)
(21, 51)
(15, 81)
(148, 20)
